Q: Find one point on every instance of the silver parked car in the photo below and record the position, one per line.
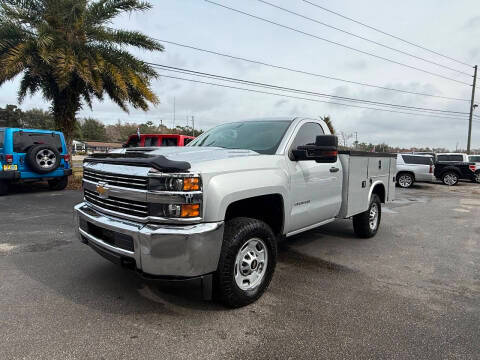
(414, 168)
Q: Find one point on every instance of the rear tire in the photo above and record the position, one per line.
(247, 262)
(405, 180)
(477, 177)
(450, 178)
(367, 223)
(3, 187)
(58, 184)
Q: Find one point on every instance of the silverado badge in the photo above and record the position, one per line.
(102, 190)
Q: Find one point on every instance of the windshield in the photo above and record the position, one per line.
(2, 135)
(260, 136)
(475, 158)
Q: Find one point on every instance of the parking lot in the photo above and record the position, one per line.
(411, 292)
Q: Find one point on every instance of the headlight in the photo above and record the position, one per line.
(172, 183)
(183, 211)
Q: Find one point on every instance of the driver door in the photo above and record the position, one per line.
(316, 188)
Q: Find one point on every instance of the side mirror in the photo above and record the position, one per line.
(325, 150)
(124, 145)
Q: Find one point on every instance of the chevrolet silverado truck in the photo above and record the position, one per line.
(214, 210)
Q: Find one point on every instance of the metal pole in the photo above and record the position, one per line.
(472, 107)
(174, 112)
(193, 125)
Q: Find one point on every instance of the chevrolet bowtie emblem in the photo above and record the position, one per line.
(102, 190)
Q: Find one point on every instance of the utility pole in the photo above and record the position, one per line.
(193, 125)
(356, 140)
(472, 107)
(174, 112)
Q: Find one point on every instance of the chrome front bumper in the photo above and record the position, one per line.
(158, 250)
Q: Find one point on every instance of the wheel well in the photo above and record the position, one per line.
(268, 208)
(406, 172)
(379, 189)
(447, 170)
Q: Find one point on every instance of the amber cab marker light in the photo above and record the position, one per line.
(191, 184)
(190, 210)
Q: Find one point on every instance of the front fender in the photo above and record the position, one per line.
(225, 189)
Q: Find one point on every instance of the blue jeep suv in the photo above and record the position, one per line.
(28, 155)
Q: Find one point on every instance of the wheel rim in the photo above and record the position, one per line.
(373, 216)
(251, 264)
(450, 179)
(46, 159)
(405, 181)
(477, 177)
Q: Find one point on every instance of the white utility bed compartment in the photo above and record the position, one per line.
(362, 171)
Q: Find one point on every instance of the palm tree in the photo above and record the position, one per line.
(67, 50)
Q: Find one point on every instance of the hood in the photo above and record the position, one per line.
(192, 154)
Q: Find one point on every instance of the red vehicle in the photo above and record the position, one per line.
(147, 140)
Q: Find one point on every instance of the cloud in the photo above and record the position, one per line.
(280, 103)
(472, 23)
(356, 65)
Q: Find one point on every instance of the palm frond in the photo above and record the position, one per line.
(105, 10)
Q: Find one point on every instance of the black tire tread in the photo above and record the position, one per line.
(405, 173)
(361, 221)
(236, 230)
(32, 152)
(450, 172)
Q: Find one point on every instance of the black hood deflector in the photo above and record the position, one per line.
(158, 162)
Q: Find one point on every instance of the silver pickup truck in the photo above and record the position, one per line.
(213, 211)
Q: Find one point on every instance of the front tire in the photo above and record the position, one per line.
(58, 184)
(405, 180)
(366, 224)
(450, 178)
(247, 262)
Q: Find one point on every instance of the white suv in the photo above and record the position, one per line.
(414, 168)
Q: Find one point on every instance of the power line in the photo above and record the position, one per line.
(363, 38)
(312, 100)
(336, 43)
(308, 73)
(385, 33)
(305, 92)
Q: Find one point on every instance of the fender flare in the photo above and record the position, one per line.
(373, 186)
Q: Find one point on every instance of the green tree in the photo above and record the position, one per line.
(11, 116)
(67, 50)
(38, 119)
(92, 129)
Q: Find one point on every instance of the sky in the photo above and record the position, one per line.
(448, 27)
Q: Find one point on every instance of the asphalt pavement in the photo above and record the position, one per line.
(412, 292)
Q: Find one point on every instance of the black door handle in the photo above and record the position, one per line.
(334, 169)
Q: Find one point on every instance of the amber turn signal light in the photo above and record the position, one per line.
(191, 184)
(190, 210)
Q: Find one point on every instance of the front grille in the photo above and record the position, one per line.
(119, 205)
(125, 181)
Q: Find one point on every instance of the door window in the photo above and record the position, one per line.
(151, 141)
(169, 142)
(450, 158)
(417, 160)
(133, 142)
(307, 135)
